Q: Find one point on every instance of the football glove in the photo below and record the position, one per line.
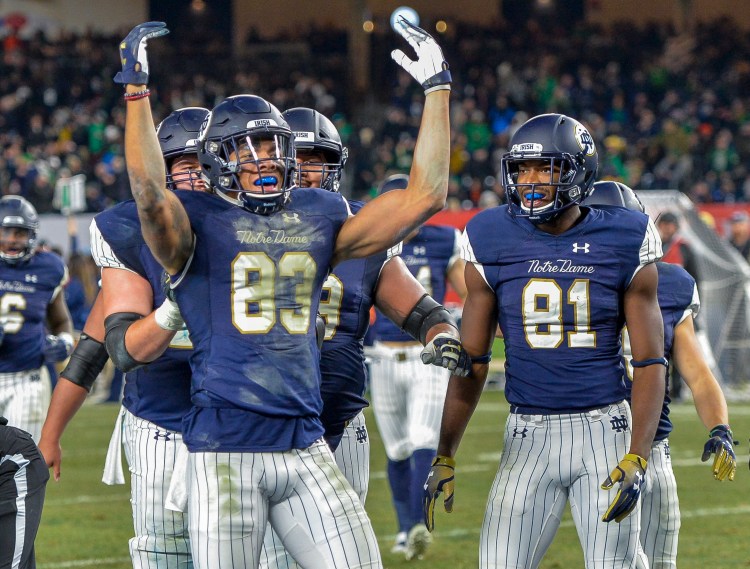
(720, 444)
(57, 348)
(133, 53)
(446, 351)
(430, 69)
(440, 479)
(630, 473)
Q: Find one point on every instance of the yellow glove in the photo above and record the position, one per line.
(720, 444)
(630, 473)
(440, 479)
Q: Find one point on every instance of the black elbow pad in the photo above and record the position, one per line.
(116, 326)
(426, 314)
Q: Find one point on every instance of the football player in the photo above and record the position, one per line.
(35, 325)
(247, 268)
(561, 280)
(151, 346)
(679, 304)
(349, 292)
(406, 398)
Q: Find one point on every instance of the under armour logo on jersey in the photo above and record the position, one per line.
(162, 435)
(667, 452)
(291, 217)
(420, 250)
(30, 278)
(521, 433)
(361, 434)
(577, 247)
(619, 424)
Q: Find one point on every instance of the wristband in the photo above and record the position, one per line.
(137, 95)
(650, 362)
(168, 316)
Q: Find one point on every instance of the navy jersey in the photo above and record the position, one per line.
(560, 301)
(249, 296)
(348, 294)
(159, 391)
(429, 256)
(678, 299)
(26, 290)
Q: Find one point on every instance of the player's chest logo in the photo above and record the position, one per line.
(419, 250)
(580, 247)
(619, 423)
(31, 278)
(291, 217)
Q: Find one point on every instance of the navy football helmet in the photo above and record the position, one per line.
(16, 211)
(246, 134)
(315, 133)
(393, 182)
(613, 193)
(178, 135)
(565, 144)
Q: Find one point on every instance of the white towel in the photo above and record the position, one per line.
(113, 463)
(177, 495)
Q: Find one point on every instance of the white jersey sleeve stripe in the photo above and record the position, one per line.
(650, 250)
(101, 251)
(456, 255)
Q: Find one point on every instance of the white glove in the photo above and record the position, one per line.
(430, 68)
(168, 316)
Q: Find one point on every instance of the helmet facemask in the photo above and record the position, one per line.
(564, 170)
(25, 251)
(188, 179)
(264, 159)
(330, 170)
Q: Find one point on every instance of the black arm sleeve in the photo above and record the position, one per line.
(426, 314)
(86, 361)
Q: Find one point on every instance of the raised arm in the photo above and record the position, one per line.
(387, 219)
(164, 222)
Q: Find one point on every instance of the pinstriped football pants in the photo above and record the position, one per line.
(24, 399)
(660, 510)
(407, 399)
(548, 460)
(161, 536)
(309, 503)
(353, 459)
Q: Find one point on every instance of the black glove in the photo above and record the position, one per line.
(720, 443)
(133, 53)
(440, 479)
(446, 351)
(630, 473)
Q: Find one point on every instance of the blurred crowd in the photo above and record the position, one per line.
(667, 110)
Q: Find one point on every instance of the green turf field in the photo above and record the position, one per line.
(87, 524)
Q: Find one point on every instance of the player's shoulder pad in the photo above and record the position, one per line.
(51, 261)
(490, 234)
(675, 280)
(122, 212)
(314, 201)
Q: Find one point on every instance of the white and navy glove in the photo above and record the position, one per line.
(446, 351)
(57, 348)
(133, 53)
(430, 68)
(168, 315)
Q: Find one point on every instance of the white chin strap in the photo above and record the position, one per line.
(541, 209)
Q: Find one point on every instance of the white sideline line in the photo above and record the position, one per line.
(84, 563)
(85, 500)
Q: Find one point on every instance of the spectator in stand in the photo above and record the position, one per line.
(676, 249)
(739, 233)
